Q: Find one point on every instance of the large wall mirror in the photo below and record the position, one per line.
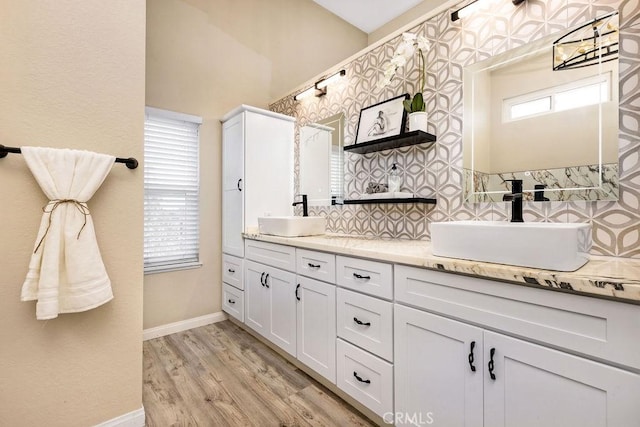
(546, 113)
(322, 161)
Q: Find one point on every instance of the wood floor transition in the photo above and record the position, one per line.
(219, 375)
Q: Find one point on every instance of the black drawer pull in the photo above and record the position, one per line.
(262, 278)
(359, 276)
(491, 367)
(360, 322)
(313, 265)
(231, 301)
(231, 270)
(473, 368)
(355, 374)
(297, 289)
(238, 185)
(266, 280)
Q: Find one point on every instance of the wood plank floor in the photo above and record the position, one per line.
(219, 375)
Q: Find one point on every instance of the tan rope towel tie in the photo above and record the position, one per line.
(81, 206)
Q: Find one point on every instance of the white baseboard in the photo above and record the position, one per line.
(131, 419)
(183, 325)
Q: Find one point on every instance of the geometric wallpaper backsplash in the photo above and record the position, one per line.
(437, 171)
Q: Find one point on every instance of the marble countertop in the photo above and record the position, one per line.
(610, 277)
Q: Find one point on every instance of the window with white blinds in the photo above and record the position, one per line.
(171, 190)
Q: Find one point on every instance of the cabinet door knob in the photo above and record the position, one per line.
(231, 270)
(297, 289)
(360, 322)
(262, 278)
(313, 265)
(238, 185)
(355, 374)
(492, 352)
(266, 280)
(473, 368)
(231, 301)
(359, 276)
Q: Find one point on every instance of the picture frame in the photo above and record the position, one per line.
(382, 120)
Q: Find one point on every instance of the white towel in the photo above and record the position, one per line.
(66, 272)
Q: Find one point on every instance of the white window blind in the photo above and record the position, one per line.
(337, 171)
(171, 188)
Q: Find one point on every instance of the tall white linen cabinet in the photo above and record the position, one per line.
(257, 180)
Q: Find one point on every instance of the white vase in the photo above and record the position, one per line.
(418, 121)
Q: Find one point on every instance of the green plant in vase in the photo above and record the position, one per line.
(410, 46)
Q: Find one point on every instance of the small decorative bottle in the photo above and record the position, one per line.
(394, 179)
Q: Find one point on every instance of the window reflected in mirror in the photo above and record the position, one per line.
(322, 161)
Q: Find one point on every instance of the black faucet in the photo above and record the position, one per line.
(538, 193)
(305, 206)
(516, 199)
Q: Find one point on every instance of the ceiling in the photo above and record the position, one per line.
(368, 15)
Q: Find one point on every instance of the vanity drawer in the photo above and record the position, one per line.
(232, 269)
(279, 256)
(365, 377)
(370, 277)
(588, 326)
(366, 321)
(233, 302)
(317, 265)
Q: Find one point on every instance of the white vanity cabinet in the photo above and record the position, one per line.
(270, 307)
(316, 311)
(295, 312)
(270, 286)
(463, 375)
(438, 369)
(257, 171)
(537, 386)
(233, 286)
(316, 325)
(365, 322)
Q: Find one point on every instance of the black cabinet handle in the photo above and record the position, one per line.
(262, 278)
(491, 367)
(313, 265)
(266, 280)
(231, 301)
(359, 276)
(231, 270)
(297, 289)
(355, 374)
(238, 185)
(360, 322)
(473, 368)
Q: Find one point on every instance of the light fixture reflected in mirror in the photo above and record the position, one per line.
(472, 7)
(320, 87)
(592, 43)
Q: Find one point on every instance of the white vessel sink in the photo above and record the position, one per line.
(548, 246)
(292, 226)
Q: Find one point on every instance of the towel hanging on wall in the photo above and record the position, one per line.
(66, 273)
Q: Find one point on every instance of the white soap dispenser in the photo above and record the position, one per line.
(394, 179)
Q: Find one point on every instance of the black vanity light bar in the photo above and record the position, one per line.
(320, 87)
(472, 7)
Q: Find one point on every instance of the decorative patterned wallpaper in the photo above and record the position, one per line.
(437, 171)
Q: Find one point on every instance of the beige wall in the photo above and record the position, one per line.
(72, 75)
(406, 18)
(205, 58)
(532, 144)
